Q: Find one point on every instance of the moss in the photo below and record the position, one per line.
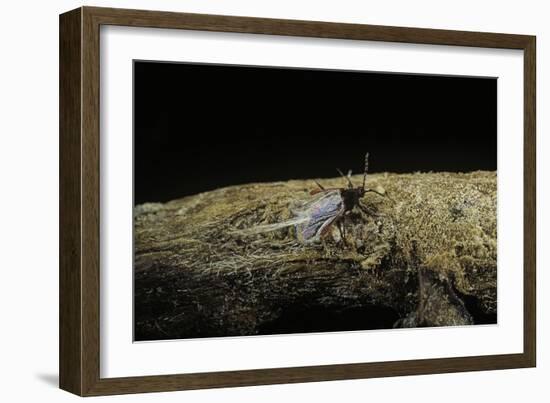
(441, 223)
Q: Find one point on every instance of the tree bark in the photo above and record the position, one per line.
(425, 257)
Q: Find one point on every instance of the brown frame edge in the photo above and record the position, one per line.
(79, 201)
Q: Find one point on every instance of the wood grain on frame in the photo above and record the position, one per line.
(70, 314)
(79, 200)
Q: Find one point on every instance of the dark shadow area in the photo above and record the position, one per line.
(473, 306)
(330, 319)
(198, 127)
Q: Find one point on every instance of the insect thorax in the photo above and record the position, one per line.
(351, 197)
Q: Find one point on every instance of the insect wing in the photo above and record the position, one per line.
(320, 213)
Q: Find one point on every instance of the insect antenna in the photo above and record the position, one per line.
(345, 177)
(366, 170)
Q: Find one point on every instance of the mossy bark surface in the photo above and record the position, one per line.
(426, 258)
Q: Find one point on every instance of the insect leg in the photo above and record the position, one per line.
(379, 194)
(344, 225)
(342, 232)
(367, 210)
(366, 170)
(320, 186)
(375, 191)
(325, 230)
(350, 183)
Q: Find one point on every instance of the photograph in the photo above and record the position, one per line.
(273, 200)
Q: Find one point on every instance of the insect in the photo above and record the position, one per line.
(330, 206)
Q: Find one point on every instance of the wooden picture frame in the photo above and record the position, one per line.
(79, 201)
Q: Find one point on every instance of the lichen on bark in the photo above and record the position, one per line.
(428, 256)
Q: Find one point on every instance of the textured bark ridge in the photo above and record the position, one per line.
(426, 258)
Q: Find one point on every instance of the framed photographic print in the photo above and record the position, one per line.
(249, 201)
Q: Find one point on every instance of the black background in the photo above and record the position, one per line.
(201, 127)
